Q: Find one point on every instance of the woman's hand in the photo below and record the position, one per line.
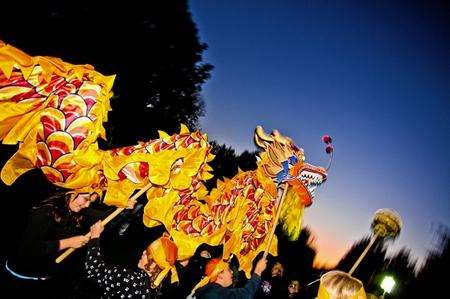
(96, 230)
(73, 242)
(143, 261)
(260, 266)
(78, 241)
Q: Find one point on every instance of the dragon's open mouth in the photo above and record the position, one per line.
(311, 179)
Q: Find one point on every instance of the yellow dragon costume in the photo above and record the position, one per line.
(55, 112)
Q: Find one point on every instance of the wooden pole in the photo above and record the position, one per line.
(105, 221)
(361, 257)
(275, 221)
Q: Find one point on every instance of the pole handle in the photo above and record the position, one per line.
(275, 221)
(361, 257)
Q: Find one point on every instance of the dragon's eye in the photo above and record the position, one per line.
(293, 160)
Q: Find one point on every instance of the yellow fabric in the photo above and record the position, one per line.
(292, 214)
(22, 161)
(40, 124)
(237, 218)
(161, 209)
(228, 223)
(119, 193)
(66, 149)
(158, 254)
(220, 267)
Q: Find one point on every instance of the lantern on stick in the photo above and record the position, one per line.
(387, 224)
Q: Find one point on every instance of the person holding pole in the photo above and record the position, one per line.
(156, 262)
(218, 277)
(56, 224)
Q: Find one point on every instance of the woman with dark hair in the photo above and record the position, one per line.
(54, 225)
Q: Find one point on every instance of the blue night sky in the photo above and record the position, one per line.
(372, 74)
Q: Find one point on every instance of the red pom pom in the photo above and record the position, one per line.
(329, 149)
(326, 139)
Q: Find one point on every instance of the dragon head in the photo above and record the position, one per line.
(284, 163)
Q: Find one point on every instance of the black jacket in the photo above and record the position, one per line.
(38, 246)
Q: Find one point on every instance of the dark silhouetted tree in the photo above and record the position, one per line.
(152, 47)
(432, 278)
(297, 256)
(247, 160)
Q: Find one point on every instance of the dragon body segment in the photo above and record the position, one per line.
(239, 212)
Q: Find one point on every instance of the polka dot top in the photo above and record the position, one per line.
(115, 281)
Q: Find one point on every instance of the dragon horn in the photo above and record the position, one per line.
(261, 136)
(280, 138)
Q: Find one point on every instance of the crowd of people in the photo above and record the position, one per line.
(59, 222)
